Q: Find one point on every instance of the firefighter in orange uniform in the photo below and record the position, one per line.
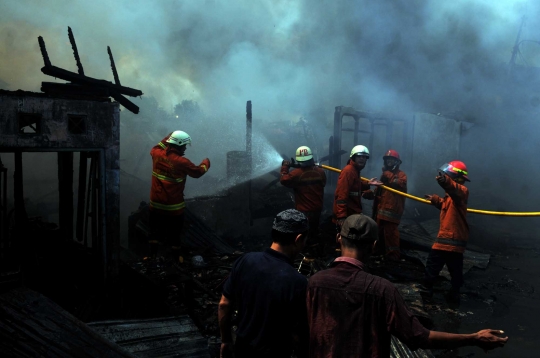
(388, 207)
(351, 188)
(308, 183)
(453, 230)
(169, 173)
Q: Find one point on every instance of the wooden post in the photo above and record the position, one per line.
(80, 195)
(249, 157)
(65, 189)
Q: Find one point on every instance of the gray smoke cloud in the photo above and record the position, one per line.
(289, 58)
(292, 59)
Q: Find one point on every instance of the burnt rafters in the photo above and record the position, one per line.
(44, 53)
(75, 52)
(114, 90)
(113, 67)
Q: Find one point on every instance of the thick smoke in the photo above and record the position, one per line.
(292, 59)
(288, 57)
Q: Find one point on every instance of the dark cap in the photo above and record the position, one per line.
(290, 221)
(359, 227)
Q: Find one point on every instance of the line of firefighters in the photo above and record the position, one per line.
(308, 182)
(170, 170)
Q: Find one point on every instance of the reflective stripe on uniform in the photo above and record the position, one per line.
(354, 193)
(458, 243)
(392, 248)
(162, 145)
(341, 202)
(204, 166)
(171, 207)
(389, 214)
(166, 178)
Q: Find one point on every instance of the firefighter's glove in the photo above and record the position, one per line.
(441, 178)
(286, 163)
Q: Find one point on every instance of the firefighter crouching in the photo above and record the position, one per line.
(351, 188)
(453, 230)
(169, 173)
(388, 207)
(307, 182)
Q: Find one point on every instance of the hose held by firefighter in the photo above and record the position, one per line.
(388, 207)
(350, 188)
(170, 170)
(307, 181)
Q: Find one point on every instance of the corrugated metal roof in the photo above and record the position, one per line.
(31, 325)
(399, 350)
(159, 337)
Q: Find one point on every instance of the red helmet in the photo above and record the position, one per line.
(455, 169)
(392, 153)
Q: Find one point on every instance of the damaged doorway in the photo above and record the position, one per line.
(53, 218)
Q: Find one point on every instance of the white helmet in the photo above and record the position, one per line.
(303, 154)
(360, 150)
(179, 138)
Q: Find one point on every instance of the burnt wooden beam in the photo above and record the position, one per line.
(69, 88)
(125, 102)
(85, 80)
(44, 53)
(113, 67)
(75, 52)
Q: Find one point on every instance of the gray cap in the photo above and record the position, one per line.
(290, 221)
(359, 227)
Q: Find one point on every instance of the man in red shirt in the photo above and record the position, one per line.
(169, 173)
(350, 188)
(352, 313)
(307, 182)
(453, 230)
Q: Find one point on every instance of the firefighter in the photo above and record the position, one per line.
(350, 188)
(307, 182)
(453, 234)
(169, 173)
(388, 207)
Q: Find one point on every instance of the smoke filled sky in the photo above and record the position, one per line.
(290, 58)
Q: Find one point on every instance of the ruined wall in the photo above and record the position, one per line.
(35, 122)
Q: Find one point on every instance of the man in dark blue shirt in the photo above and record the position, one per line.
(270, 296)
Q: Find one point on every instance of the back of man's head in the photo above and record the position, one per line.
(359, 232)
(287, 225)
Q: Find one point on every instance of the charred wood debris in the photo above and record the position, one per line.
(80, 84)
